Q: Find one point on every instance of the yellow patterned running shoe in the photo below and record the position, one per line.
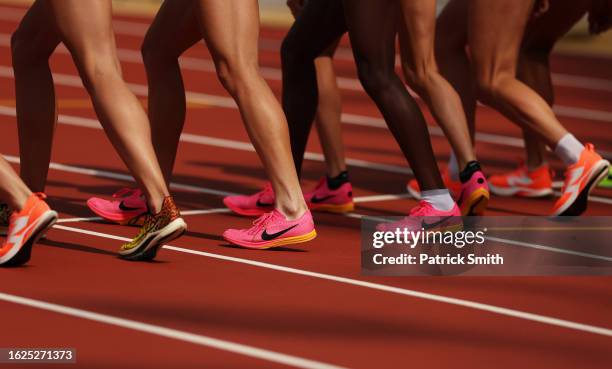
(5, 214)
(157, 229)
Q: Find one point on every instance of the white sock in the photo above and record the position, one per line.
(569, 149)
(439, 199)
(453, 167)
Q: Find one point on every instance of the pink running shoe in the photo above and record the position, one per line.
(323, 198)
(272, 230)
(425, 216)
(252, 205)
(474, 196)
(127, 207)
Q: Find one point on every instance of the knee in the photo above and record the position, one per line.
(234, 74)
(25, 51)
(535, 55)
(373, 79)
(148, 52)
(98, 69)
(291, 52)
(421, 75)
(154, 55)
(489, 84)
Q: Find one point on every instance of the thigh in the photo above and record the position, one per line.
(372, 29)
(38, 29)
(174, 29)
(452, 26)
(85, 26)
(317, 29)
(230, 28)
(417, 32)
(495, 31)
(543, 32)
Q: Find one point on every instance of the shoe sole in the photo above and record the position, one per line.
(276, 243)
(333, 208)
(147, 249)
(580, 204)
(605, 183)
(520, 192)
(476, 204)
(23, 254)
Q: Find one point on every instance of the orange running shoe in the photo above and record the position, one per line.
(580, 179)
(522, 182)
(25, 228)
(453, 186)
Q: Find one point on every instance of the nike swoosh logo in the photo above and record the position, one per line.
(268, 237)
(434, 224)
(124, 207)
(263, 204)
(316, 200)
(19, 233)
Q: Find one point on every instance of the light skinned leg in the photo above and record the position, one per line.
(174, 30)
(495, 33)
(327, 121)
(417, 33)
(452, 59)
(534, 60)
(32, 44)
(535, 74)
(86, 30)
(13, 191)
(234, 47)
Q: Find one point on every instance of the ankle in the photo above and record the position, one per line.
(334, 182)
(155, 204)
(468, 170)
(18, 200)
(292, 211)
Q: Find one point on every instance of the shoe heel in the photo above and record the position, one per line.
(25, 253)
(476, 204)
(337, 209)
(149, 250)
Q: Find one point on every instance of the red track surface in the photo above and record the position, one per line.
(316, 317)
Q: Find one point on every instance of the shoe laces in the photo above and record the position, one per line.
(260, 223)
(420, 209)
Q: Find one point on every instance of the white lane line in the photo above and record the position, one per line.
(376, 198)
(223, 143)
(354, 119)
(122, 177)
(175, 334)
(207, 66)
(227, 102)
(551, 249)
(376, 286)
(589, 83)
(139, 29)
(183, 213)
(78, 220)
(358, 199)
